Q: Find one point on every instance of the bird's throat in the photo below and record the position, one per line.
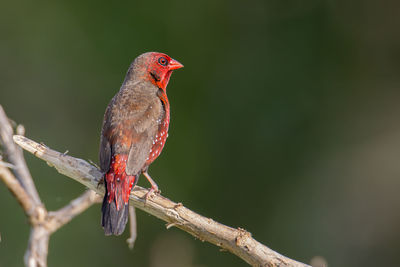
(161, 81)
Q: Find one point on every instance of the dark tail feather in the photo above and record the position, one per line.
(113, 220)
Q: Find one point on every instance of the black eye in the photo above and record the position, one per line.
(163, 61)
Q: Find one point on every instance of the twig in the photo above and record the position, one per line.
(15, 157)
(6, 164)
(132, 227)
(237, 241)
(16, 189)
(57, 219)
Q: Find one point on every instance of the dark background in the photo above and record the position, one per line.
(285, 121)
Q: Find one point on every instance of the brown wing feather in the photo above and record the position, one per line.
(145, 131)
(105, 148)
(130, 124)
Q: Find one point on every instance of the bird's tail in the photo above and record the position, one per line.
(118, 186)
(113, 220)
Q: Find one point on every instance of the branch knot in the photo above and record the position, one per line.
(242, 237)
(38, 216)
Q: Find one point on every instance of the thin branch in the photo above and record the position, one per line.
(38, 247)
(6, 164)
(132, 227)
(237, 241)
(57, 219)
(16, 189)
(16, 158)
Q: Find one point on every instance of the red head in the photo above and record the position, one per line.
(156, 67)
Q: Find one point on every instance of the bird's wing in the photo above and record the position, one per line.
(143, 135)
(130, 124)
(105, 147)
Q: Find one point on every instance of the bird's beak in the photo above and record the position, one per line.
(173, 65)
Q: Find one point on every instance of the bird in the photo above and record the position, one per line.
(134, 131)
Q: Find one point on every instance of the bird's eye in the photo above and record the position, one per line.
(162, 61)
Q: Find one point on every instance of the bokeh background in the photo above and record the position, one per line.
(285, 121)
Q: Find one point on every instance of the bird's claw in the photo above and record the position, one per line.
(152, 191)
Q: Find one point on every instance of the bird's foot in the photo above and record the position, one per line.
(154, 187)
(152, 191)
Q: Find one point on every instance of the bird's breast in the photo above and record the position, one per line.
(158, 141)
(162, 132)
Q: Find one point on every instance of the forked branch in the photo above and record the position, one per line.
(17, 178)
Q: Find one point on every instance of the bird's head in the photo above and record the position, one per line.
(155, 67)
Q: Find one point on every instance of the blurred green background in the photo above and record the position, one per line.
(285, 121)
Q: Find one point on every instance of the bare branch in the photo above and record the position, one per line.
(6, 164)
(77, 169)
(15, 157)
(132, 227)
(57, 219)
(38, 247)
(237, 241)
(16, 189)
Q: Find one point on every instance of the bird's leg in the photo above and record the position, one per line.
(154, 186)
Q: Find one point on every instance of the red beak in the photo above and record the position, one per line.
(173, 64)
